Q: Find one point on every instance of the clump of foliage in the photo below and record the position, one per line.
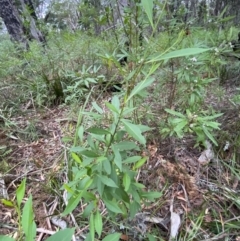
(27, 228)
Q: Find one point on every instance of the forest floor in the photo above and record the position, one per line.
(37, 149)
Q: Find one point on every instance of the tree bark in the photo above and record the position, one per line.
(11, 17)
(13, 23)
(29, 12)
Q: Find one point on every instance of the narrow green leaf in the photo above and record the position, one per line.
(139, 163)
(101, 159)
(98, 223)
(97, 107)
(92, 228)
(27, 221)
(88, 237)
(120, 194)
(144, 128)
(148, 8)
(77, 149)
(180, 126)
(209, 135)
(173, 112)
(128, 110)
(88, 209)
(126, 181)
(93, 114)
(91, 142)
(177, 120)
(126, 146)
(76, 158)
(6, 238)
(134, 207)
(132, 159)
(212, 124)
(80, 133)
(107, 166)
(119, 135)
(211, 117)
(112, 107)
(32, 231)
(98, 131)
(117, 158)
(107, 181)
(112, 206)
(7, 203)
(112, 237)
(178, 53)
(101, 138)
(100, 187)
(20, 192)
(62, 235)
(88, 196)
(152, 195)
(131, 74)
(154, 67)
(136, 196)
(68, 188)
(140, 86)
(108, 139)
(72, 203)
(83, 182)
(151, 237)
(139, 185)
(89, 153)
(134, 131)
(116, 103)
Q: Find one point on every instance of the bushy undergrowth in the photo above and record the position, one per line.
(167, 81)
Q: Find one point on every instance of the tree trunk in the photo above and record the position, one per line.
(14, 25)
(12, 20)
(29, 12)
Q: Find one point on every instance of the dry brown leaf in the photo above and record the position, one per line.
(207, 155)
(175, 224)
(124, 237)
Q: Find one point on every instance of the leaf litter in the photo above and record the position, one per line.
(190, 183)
